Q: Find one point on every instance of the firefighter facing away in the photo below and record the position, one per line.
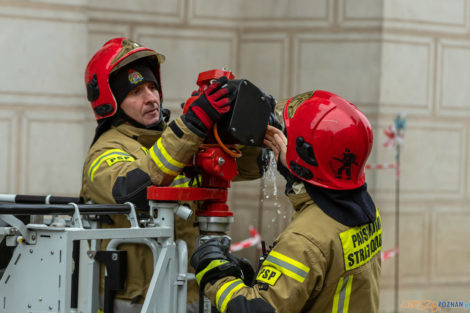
(134, 147)
(327, 259)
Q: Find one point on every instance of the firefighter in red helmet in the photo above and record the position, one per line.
(135, 146)
(328, 257)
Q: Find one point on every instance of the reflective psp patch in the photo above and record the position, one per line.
(119, 158)
(268, 275)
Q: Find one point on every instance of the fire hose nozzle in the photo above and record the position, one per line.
(183, 211)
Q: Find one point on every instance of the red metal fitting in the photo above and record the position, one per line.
(215, 163)
(186, 194)
(218, 209)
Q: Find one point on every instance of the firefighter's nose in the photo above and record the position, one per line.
(152, 95)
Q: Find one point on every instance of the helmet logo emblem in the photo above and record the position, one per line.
(347, 161)
(135, 77)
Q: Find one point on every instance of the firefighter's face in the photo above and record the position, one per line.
(143, 104)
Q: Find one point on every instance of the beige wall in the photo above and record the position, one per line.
(425, 72)
(385, 56)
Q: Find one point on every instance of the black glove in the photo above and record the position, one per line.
(211, 262)
(211, 104)
(246, 268)
(166, 115)
(272, 120)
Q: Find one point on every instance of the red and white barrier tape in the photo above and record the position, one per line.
(380, 166)
(389, 254)
(254, 240)
(393, 138)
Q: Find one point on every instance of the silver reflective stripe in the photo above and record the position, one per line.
(342, 294)
(164, 161)
(180, 181)
(287, 266)
(227, 292)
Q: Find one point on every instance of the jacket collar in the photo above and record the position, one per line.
(145, 137)
(300, 201)
(349, 207)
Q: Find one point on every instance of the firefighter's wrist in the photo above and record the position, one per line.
(216, 270)
(194, 124)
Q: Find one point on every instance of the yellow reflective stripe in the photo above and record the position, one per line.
(105, 156)
(168, 157)
(225, 293)
(288, 266)
(146, 151)
(196, 181)
(163, 159)
(183, 181)
(212, 264)
(342, 295)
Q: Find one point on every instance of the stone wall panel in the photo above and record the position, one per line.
(138, 11)
(453, 82)
(41, 69)
(99, 34)
(449, 16)
(187, 54)
(450, 239)
(52, 152)
(432, 162)
(9, 142)
(263, 13)
(360, 13)
(406, 76)
(320, 63)
(264, 61)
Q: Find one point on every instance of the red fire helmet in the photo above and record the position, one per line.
(115, 54)
(329, 140)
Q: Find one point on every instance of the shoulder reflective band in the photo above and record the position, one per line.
(225, 293)
(211, 265)
(342, 295)
(164, 160)
(146, 151)
(108, 155)
(361, 243)
(289, 267)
